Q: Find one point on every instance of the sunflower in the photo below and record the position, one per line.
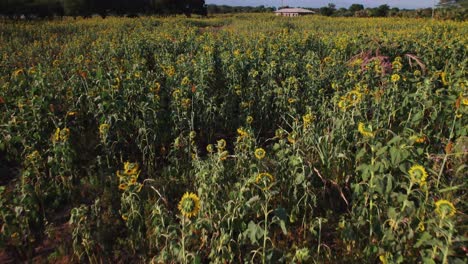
(192, 135)
(343, 104)
(131, 168)
(210, 148)
(189, 205)
(132, 181)
(260, 153)
(103, 129)
(364, 130)
(57, 134)
(186, 103)
(418, 174)
(64, 134)
(265, 178)
(396, 65)
(307, 119)
(421, 226)
(18, 72)
(384, 258)
(445, 208)
(418, 138)
(123, 187)
(242, 133)
(292, 137)
(354, 97)
(221, 144)
(124, 217)
(249, 120)
(395, 77)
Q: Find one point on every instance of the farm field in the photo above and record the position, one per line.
(234, 139)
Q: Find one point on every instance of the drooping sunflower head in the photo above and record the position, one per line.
(242, 133)
(292, 138)
(189, 205)
(307, 119)
(210, 148)
(365, 130)
(418, 174)
(265, 179)
(64, 134)
(445, 208)
(221, 144)
(260, 153)
(103, 129)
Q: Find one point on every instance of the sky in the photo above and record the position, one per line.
(410, 4)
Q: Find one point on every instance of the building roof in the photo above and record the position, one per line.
(294, 10)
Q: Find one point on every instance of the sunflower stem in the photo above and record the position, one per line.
(446, 154)
(183, 240)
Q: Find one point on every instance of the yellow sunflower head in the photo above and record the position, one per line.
(445, 208)
(260, 153)
(242, 133)
(395, 77)
(307, 119)
(249, 120)
(343, 104)
(133, 180)
(189, 205)
(266, 179)
(221, 144)
(64, 134)
(418, 174)
(210, 148)
(123, 187)
(354, 97)
(103, 129)
(131, 168)
(365, 130)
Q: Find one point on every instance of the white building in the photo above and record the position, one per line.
(293, 12)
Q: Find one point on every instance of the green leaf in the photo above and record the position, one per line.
(254, 232)
(381, 151)
(252, 200)
(299, 178)
(423, 239)
(428, 260)
(360, 154)
(394, 140)
(395, 156)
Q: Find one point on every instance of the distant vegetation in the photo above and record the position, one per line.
(445, 9)
(50, 8)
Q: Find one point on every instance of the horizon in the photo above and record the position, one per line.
(320, 3)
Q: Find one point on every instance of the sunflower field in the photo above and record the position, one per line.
(234, 139)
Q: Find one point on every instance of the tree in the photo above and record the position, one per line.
(356, 7)
(453, 3)
(328, 10)
(381, 11)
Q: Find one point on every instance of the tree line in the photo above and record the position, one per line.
(51, 8)
(445, 9)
